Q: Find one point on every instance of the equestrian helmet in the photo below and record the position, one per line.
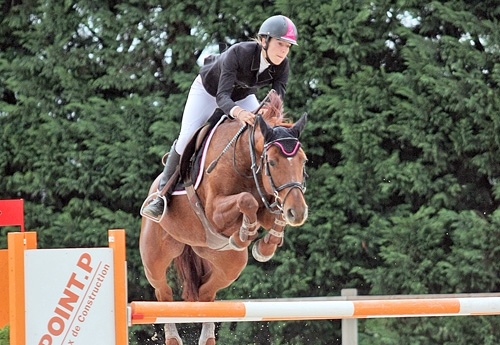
(279, 27)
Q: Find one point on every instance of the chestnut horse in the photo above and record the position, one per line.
(256, 178)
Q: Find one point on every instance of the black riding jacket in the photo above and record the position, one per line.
(234, 74)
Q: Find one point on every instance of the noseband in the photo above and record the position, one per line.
(289, 146)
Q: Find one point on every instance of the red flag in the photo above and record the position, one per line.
(12, 213)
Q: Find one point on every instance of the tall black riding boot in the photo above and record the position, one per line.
(155, 207)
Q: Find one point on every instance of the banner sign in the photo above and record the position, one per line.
(69, 296)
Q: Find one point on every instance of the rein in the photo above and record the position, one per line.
(236, 136)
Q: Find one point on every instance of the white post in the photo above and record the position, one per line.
(349, 326)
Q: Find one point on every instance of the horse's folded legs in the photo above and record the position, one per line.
(248, 229)
(156, 207)
(258, 255)
(263, 250)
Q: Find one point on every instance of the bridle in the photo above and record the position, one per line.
(277, 206)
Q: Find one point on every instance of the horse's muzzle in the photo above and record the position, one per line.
(295, 209)
(294, 217)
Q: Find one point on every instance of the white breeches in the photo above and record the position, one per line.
(200, 105)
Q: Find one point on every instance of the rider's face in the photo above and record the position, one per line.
(277, 50)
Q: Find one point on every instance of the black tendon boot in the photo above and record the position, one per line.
(155, 207)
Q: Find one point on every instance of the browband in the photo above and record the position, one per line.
(288, 149)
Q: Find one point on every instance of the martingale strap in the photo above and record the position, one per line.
(215, 240)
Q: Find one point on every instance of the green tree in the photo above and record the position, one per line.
(4, 336)
(402, 141)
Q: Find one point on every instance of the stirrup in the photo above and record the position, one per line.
(146, 202)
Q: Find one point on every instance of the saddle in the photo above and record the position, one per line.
(189, 165)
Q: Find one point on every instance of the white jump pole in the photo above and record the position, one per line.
(227, 311)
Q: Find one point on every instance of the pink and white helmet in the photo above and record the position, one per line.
(279, 27)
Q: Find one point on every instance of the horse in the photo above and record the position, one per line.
(254, 176)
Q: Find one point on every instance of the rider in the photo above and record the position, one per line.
(229, 81)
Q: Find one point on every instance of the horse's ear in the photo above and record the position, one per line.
(265, 129)
(299, 126)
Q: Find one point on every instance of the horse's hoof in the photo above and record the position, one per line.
(210, 341)
(174, 341)
(258, 256)
(171, 335)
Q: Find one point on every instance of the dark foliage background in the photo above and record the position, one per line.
(403, 144)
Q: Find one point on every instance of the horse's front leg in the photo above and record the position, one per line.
(225, 210)
(263, 250)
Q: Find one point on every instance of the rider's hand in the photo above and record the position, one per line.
(245, 117)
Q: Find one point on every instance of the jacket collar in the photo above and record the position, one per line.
(256, 60)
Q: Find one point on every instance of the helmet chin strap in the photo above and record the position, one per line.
(265, 50)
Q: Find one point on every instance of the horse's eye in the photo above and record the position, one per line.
(272, 163)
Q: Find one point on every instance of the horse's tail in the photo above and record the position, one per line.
(191, 269)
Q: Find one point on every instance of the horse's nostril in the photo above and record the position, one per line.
(291, 214)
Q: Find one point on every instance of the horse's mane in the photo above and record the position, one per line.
(272, 111)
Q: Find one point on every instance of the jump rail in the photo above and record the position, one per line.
(187, 312)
